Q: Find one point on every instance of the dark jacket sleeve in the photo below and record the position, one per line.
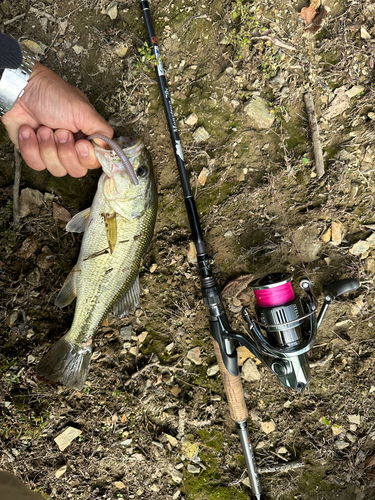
(10, 52)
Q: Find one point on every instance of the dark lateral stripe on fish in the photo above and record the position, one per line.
(98, 254)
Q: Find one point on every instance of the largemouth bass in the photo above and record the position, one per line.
(118, 229)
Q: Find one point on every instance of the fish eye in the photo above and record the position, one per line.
(141, 171)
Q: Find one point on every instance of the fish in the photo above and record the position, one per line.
(118, 229)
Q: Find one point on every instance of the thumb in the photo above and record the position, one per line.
(97, 125)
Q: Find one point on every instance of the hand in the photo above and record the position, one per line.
(46, 122)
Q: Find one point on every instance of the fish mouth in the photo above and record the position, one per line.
(111, 164)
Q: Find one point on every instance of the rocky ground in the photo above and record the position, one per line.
(152, 420)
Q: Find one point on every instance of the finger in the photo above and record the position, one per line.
(67, 153)
(48, 152)
(29, 148)
(86, 154)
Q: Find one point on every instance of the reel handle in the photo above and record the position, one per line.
(339, 287)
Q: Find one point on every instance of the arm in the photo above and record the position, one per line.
(46, 123)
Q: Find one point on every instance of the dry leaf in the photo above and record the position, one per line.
(307, 14)
(61, 213)
(370, 461)
(312, 18)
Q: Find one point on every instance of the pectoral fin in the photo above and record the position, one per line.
(78, 223)
(111, 228)
(68, 292)
(129, 301)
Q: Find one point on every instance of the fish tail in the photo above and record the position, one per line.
(66, 363)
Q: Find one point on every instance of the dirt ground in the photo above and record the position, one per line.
(152, 421)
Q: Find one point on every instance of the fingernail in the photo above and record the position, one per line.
(82, 149)
(62, 136)
(25, 134)
(44, 134)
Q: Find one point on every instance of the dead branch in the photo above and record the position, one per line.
(314, 129)
(16, 187)
(282, 467)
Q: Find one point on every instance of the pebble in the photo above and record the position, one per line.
(191, 120)
(212, 370)
(60, 471)
(64, 439)
(119, 485)
(112, 10)
(355, 419)
(365, 34)
(193, 469)
(126, 332)
(29, 246)
(171, 440)
(268, 427)
(371, 115)
(250, 372)
(121, 50)
(326, 236)
(360, 247)
(260, 115)
(371, 240)
(192, 254)
(228, 234)
(201, 135)
(176, 475)
(194, 355)
(202, 177)
(337, 232)
(341, 445)
(337, 429)
(33, 277)
(30, 201)
(357, 89)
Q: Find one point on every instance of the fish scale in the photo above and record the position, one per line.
(118, 229)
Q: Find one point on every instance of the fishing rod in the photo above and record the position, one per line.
(289, 322)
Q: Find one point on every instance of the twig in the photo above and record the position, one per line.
(16, 187)
(274, 40)
(282, 468)
(10, 21)
(314, 129)
(322, 362)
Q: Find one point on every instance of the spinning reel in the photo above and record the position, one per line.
(290, 324)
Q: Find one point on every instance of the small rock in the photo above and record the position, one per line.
(33, 277)
(360, 247)
(11, 319)
(60, 213)
(192, 254)
(228, 234)
(243, 354)
(341, 445)
(126, 442)
(121, 50)
(327, 235)
(153, 268)
(282, 450)
(236, 286)
(337, 233)
(29, 246)
(194, 355)
(350, 437)
(30, 358)
(259, 114)
(234, 103)
(78, 49)
(370, 266)
(212, 370)
(371, 115)
(171, 440)
(64, 439)
(371, 240)
(119, 485)
(176, 494)
(37, 48)
(193, 469)
(45, 258)
(339, 104)
(357, 89)
(111, 10)
(365, 34)
(201, 135)
(191, 120)
(268, 427)
(176, 475)
(60, 471)
(175, 390)
(30, 201)
(202, 177)
(337, 429)
(250, 372)
(126, 333)
(355, 419)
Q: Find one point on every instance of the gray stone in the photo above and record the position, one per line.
(360, 247)
(30, 201)
(201, 135)
(260, 115)
(126, 332)
(193, 469)
(341, 445)
(212, 370)
(250, 372)
(176, 475)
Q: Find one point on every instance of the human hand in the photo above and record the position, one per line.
(47, 121)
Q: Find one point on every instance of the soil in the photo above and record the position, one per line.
(154, 424)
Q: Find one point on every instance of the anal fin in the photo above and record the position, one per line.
(68, 291)
(128, 301)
